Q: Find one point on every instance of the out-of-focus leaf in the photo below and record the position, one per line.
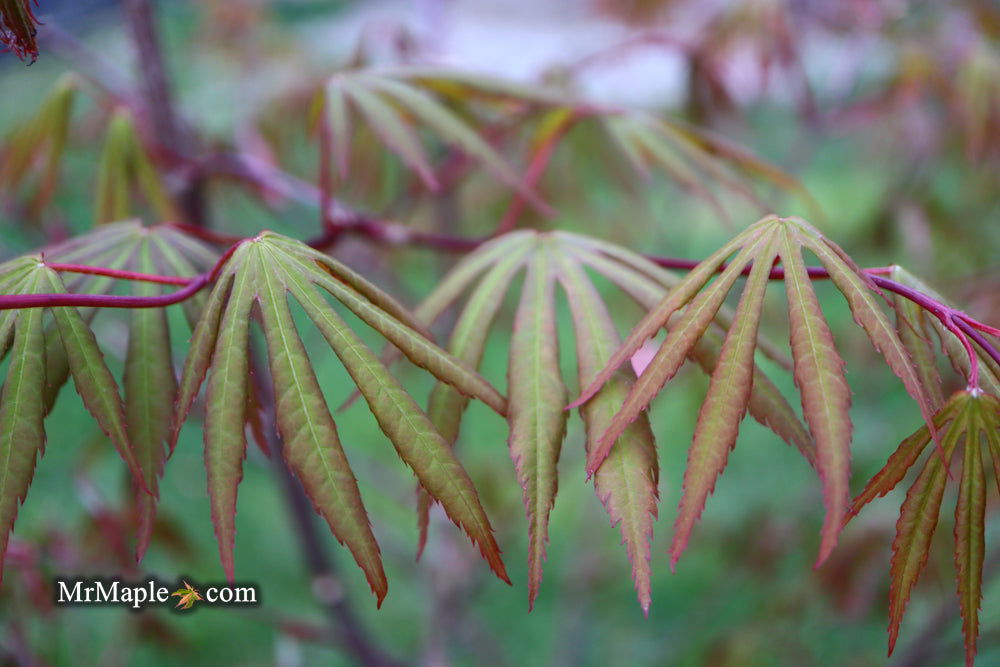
(394, 131)
(41, 140)
(125, 165)
(390, 103)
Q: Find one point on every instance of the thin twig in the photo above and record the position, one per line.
(384, 232)
(119, 274)
(195, 284)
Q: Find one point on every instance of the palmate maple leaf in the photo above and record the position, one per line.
(188, 596)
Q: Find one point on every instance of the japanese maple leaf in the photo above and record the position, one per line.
(188, 596)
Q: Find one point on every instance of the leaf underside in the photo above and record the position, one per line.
(537, 398)
(262, 275)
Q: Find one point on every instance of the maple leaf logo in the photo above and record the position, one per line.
(188, 596)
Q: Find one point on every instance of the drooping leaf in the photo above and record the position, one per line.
(408, 335)
(627, 481)
(454, 284)
(150, 386)
(767, 405)
(676, 299)
(989, 376)
(201, 350)
(911, 325)
(226, 401)
(901, 461)
(918, 518)
(43, 359)
(537, 397)
(468, 339)
(312, 446)
(409, 429)
(259, 276)
(343, 274)
(680, 339)
(970, 532)
(861, 297)
(22, 435)
(625, 502)
(970, 419)
(124, 164)
(726, 402)
(92, 379)
(637, 266)
(465, 272)
(826, 398)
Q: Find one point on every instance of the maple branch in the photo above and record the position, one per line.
(119, 274)
(194, 285)
(205, 234)
(981, 341)
(385, 232)
(11, 301)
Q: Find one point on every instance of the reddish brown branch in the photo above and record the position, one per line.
(194, 285)
(383, 232)
(11, 301)
(119, 274)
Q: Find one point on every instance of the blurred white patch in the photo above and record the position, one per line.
(644, 355)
